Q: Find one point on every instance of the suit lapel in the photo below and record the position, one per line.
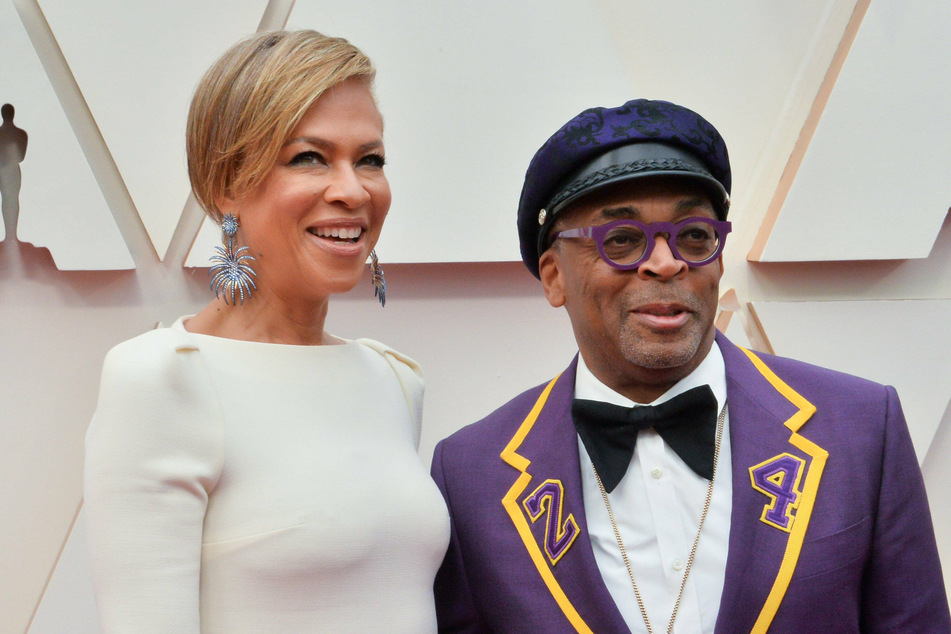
(776, 474)
(546, 508)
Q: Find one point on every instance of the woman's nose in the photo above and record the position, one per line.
(347, 188)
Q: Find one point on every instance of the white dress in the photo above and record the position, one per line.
(235, 486)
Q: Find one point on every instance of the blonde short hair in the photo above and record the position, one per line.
(249, 102)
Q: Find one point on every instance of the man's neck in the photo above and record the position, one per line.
(708, 370)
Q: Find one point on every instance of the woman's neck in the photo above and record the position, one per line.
(267, 319)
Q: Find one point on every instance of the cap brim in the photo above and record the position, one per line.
(630, 163)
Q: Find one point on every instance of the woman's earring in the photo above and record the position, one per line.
(376, 278)
(231, 274)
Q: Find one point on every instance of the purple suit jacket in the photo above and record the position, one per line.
(830, 528)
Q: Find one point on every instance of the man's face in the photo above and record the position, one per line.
(639, 331)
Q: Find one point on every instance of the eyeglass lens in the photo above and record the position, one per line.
(695, 242)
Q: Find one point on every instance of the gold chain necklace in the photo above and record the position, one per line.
(696, 540)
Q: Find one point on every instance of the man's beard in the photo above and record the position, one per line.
(674, 351)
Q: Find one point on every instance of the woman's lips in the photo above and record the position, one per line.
(347, 242)
(337, 233)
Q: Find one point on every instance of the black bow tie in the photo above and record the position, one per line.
(687, 423)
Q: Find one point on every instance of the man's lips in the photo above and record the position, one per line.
(662, 316)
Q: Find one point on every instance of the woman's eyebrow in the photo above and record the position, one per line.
(329, 145)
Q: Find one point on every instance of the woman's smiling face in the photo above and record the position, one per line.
(312, 223)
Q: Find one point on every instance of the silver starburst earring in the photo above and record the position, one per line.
(231, 274)
(376, 278)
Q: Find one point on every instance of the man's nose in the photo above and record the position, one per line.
(662, 262)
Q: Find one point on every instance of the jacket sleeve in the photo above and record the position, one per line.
(153, 455)
(904, 587)
(456, 611)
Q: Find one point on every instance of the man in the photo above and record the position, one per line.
(753, 493)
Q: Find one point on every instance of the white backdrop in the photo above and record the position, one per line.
(830, 108)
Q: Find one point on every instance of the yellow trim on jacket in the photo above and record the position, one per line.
(810, 489)
(510, 502)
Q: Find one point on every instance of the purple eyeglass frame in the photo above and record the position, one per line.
(722, 227)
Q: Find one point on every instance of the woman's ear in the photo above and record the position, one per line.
(225, 204)
(552, 277)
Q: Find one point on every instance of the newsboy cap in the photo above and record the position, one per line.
(604, 146)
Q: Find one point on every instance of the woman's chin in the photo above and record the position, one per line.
(336, 282)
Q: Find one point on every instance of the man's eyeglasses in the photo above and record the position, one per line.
(626, 244)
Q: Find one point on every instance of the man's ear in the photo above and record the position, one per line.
(552, 277)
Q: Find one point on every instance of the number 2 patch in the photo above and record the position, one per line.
(548, 499)
(779, 479)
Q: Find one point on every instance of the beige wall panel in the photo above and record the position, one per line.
(937, 472)
(137, 65)
(466, 117)
(465, 107)
(469, 91)
(900, 343)
(69, 604)
(861, 280)
(56, 327)
(736, 333)
(482, 332)
(878, 154)
(208, 237)
(60, 205)
(752, 68)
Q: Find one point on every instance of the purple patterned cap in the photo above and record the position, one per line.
(604, 146)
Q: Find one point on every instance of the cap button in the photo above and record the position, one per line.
(542, 215)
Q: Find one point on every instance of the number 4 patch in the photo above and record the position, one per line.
(779, 479)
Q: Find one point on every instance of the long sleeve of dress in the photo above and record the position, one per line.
(153, 455)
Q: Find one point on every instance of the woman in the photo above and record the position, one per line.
(247, 471)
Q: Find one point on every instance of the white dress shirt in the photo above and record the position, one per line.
(657, 507)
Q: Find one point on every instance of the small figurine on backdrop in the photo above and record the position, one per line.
(13, 142)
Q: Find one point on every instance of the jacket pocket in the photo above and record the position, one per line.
(831, 552)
